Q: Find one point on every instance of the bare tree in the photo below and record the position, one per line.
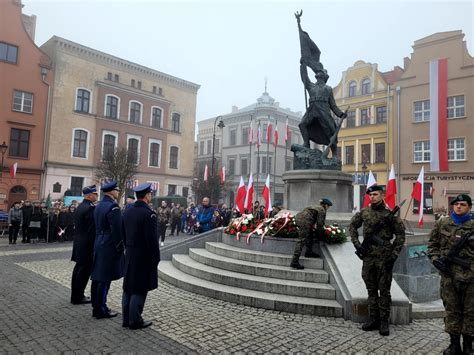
(120, 166)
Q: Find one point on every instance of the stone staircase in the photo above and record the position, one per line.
(254, 278)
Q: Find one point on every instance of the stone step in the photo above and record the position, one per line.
(277, 302)
(247, 267)
(261, 257)
(252, 282)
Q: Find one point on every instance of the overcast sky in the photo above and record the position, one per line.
(229, 47)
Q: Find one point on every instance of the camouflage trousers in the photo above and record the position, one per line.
(458, 300)
(305, 238)
(378, 282)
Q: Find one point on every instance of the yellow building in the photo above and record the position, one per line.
(365, 143)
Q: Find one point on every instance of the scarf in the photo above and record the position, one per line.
(458, 220)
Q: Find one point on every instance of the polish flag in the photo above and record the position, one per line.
(370, 182)
(249, 194)
(275, 140)
(269, 133)
(287, 131)
(13, 170)
(240, 197)
(222, 174)
(206, 173)
(251, 132)
(259, 136)
(438, 115)
(417, 194)
(267, 196)
(391, 189)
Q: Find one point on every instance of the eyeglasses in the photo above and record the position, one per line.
(463, 204)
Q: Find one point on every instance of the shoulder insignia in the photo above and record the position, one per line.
(153, 215)
(115, 208)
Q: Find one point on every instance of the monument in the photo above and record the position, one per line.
(316, 174)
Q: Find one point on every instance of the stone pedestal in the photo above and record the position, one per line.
(306, 187)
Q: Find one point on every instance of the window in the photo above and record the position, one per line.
(116, 78)
(77, 183)
(174, 152)
(171, 190)
(8, 52)
(19, 143)
(456, 149)
(154, 89)
(201, 148)
(339, 153)
(209, 146)
(133, 82)
(135, 112)
(132, 150)
(264, 133)
(245, 135)
(80, 144)
(83, 100)
(109, 76)
(139, 83)
(421, 111)
(456, 106)
(216, 148)
(351, 119)
(231, 166)
(427, 199)
(365, 153)
(421, 151)
(22, 101)
(185, 191)
(352, 88)
(350, 155)
(176, 122)
(233, 137)
(380, 152)
(364, 117)
(111, 106)
(243, 166)
(265, 165)
(365, 87)
(160, 91)
(154, 156)
(156, 114)
(381, 114)
(108, 149)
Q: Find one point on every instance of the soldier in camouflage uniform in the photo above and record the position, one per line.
(378, 260)
(457, 285)
(305, 221)
(164, 220)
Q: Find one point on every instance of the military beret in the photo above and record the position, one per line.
(143, 188)
(462, 198)
(109, 186)
(89, 190)
(325, 201)
(374, 188)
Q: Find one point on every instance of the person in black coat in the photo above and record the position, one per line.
(27, 212)
(108, 250)
(142, 255)
(83, 245)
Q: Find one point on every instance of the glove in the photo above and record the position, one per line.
(361, 252)
(390, 262)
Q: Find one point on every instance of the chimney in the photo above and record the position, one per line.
(406, 62)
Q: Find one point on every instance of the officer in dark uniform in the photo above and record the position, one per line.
(83, 245)
(378, 259)
(108, 250)
(142, 254)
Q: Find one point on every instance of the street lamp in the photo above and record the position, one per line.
(3, 149)
(220, 125)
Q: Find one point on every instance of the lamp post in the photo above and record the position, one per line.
(220, 125)
(362, 192)
(3, 150)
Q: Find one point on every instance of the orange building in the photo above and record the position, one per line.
(24, 86)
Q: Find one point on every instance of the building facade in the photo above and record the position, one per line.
(365, 142)
(24, 85)
(102, 103)
(412, 124)
(233, 150)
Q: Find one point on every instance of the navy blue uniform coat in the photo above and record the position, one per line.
(84, 233)
(142, 253)
(108, 246)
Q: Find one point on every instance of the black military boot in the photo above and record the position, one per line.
(384, 329)
(467, 344)
(455, 347)
(371, 324)
(295, 264)
(311, 254)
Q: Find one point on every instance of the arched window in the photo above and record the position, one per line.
(154, 156)
(135, 112)
(80, 140)
(132, 152)
(112, 106)
(83, 98)
(109, 145)
(352, 88)
(156, 117)
(175, 122)
(365, 87)
(174, 156)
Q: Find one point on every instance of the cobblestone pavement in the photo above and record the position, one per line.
(37, 317)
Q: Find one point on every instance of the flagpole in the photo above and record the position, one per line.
(259, 132)
(286, 143)
(250, 139)
(275, 143)
(268, 146)
(408, 209)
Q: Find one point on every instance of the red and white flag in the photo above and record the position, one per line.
(249, 195)
(370, 182)
(438, 114)
(259, 136)
(267, 196)
(206, 173)
(287, 131)
(251, 132)
(269, 133)
(275, 140)
(240, 197)
(222, 174)
(417, 194)
(391, 189)
(13, 170)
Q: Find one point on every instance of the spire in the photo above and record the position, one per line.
(266, 80)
